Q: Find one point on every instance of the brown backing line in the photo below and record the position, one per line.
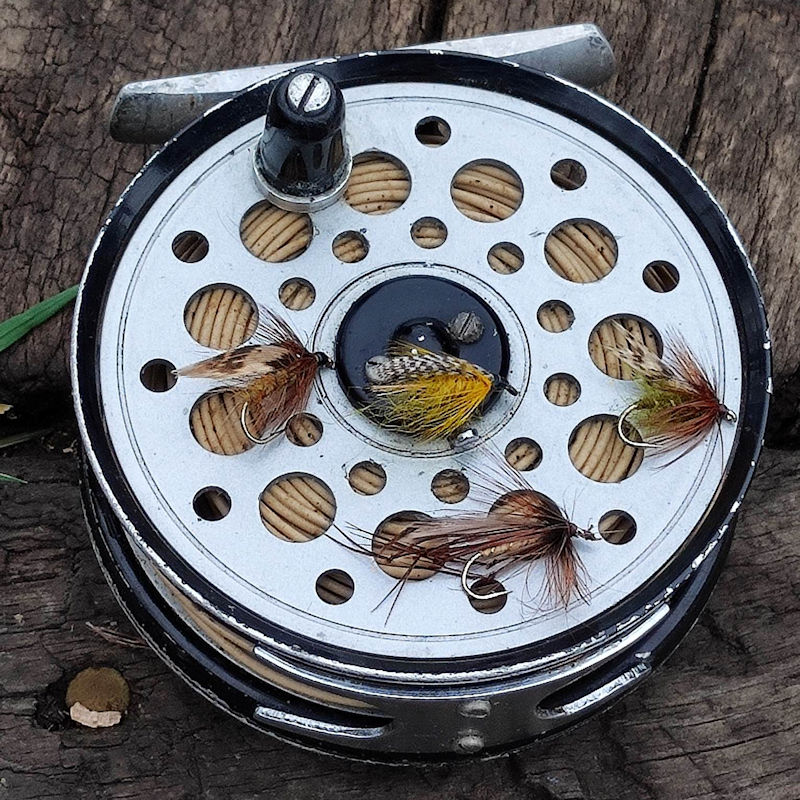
(190, 248)
(380, 207)
(565, 177)
(608, 337)
(478, 207)
(579, 247)
(598, 452)
(452, 487)
(349, 249)
(657, 279)
(239, 650)
(429, 236)
(221, 318)
(215, 424)
(580, 252)
(616, 528)
(377, 185)
(332, 589)
(554, 319)
(504, 261)
(382, 193)
(661, 277)
(562, 392)
(304, 430)
(297, 295)
(597, 457)
(383, 550)
(524, 456)
(504, 187)
(367, 478)
(566, 263)
(275, 235)
(218, 502)
(290, 516)
(600, 242)
(297, 509)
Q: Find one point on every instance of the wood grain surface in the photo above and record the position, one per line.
(718, 79)
(720, 720)
(61, 65)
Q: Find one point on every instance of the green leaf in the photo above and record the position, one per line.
(10, 478)
(13, 329)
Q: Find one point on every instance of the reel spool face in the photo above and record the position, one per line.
(626, 203)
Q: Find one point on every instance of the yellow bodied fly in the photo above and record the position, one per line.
(425, 394)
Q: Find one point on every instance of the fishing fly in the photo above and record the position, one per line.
(678, 402)
(516, 527)
(425, 394)
(271, 379)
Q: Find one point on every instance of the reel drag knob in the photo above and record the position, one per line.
(302, 162)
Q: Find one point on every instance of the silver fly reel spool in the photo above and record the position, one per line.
(536, 221)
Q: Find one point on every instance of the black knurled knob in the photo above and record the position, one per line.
(302, 161)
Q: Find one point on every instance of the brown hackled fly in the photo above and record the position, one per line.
(270, 379)
(516, 527)
(678, 403)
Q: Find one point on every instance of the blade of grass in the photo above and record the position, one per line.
(4, 478)
(13, 329)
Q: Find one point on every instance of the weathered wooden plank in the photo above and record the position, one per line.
(60, 67)
(659, 48)
(721, 719)
(745, 144)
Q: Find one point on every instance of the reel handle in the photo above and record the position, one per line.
(150, 112)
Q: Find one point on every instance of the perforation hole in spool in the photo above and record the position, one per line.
(429, 232)
(350, 247)
(581, 250)
(450, 486)
(158, 375)
(379, 183)
(389, 552)
(597, 451)
(215, 424)
(297, 507)
(611, 336)
(523, 454)
(432, 131)
(275, 235)
(568, 174)
(555, 316)
(212, 503)
(486, 191)
(661, 276)
(562, 389)
(334, 587)
(304, 430)
(190, 247)
(297, 294)
(617, 527)
(489, 605)
(367, 477)
(220, 316)
(505, 258)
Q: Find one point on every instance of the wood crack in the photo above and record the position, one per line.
(697, 101)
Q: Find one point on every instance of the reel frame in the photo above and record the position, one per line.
(702, 553)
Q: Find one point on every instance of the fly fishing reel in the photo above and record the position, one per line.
(248, 488)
